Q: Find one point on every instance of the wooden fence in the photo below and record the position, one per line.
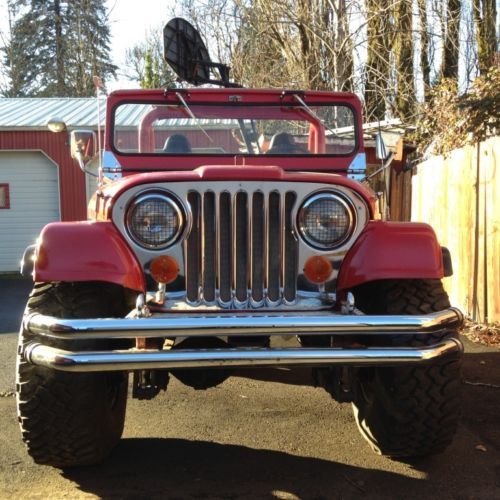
(459, 195)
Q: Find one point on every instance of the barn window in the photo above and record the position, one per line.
(4, 196)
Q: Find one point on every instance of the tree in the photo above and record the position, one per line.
(56, 46)
(286, 43)
(145, 64)
(449, 67)
(485, 15)
(377, 67)
(28, 56)
(13, 76)
(424, 47)
(267, 41)
(328, 44)
(344, 50)
(87, 46)
(403, 50)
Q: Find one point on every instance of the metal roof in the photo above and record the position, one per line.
(33, 113)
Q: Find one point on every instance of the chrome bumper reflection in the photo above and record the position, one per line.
(58, 359)
(242, 323)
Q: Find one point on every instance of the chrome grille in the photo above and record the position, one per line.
(241, 250)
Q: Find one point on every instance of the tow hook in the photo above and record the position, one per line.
(347, 306)
(141, 309)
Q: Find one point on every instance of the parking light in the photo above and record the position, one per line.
(318, 269)
(164, 269)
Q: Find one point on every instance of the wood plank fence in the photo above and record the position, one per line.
(459, 195)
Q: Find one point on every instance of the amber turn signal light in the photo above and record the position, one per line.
(164, 269)
(317, 269)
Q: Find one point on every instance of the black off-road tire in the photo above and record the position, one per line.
(70, 419)
(407, 411)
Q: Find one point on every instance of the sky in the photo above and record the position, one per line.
(130, 20)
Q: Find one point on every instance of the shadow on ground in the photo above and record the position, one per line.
(13, 297)
(176, 468)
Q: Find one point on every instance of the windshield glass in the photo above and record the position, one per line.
(195, 129)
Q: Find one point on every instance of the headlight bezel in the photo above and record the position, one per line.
(344, 201)
(164, 196)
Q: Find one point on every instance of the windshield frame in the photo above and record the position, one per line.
(212, 156)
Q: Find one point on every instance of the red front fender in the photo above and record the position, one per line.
(86, 251)
(392, 250)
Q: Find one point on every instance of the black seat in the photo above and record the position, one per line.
(177, 143)
(282, 143)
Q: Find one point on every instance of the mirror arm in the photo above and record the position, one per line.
(81, 164)
(386, 164)
(79, 159)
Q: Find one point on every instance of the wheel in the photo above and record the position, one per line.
(70, 419)
(407, 411)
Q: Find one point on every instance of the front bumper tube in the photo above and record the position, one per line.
(246, 324)
(239, 324)
(58, 359)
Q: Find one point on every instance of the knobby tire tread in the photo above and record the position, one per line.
(69, 419)
(414, 410)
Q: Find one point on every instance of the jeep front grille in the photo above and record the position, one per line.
(241, 250)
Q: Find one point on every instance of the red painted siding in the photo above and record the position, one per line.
(56, 147)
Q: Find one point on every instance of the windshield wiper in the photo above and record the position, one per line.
(192, 115)
(313, 114)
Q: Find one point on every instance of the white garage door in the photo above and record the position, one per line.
(29, 195)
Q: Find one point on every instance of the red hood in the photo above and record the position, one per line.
(230, 173)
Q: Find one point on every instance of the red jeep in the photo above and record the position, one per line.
(225, 221)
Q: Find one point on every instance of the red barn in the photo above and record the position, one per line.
(39, 182)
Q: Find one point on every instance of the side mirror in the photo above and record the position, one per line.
(380, 147)
(83, 144)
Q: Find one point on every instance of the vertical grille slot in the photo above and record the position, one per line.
(274, 247)
(241, 250)
(193, 248)
(290, 250)
(209, 249)
(257, 247)
(225, 238)
(241, 246)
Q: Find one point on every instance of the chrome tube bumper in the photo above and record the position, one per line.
(241, 323)
(58, 359)
(238, 324)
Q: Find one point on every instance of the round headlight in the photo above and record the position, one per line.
(326, 220)
(154, 220)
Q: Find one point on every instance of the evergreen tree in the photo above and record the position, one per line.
(90, 46)
(151, 76)
(13, 76)
(56, 46)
